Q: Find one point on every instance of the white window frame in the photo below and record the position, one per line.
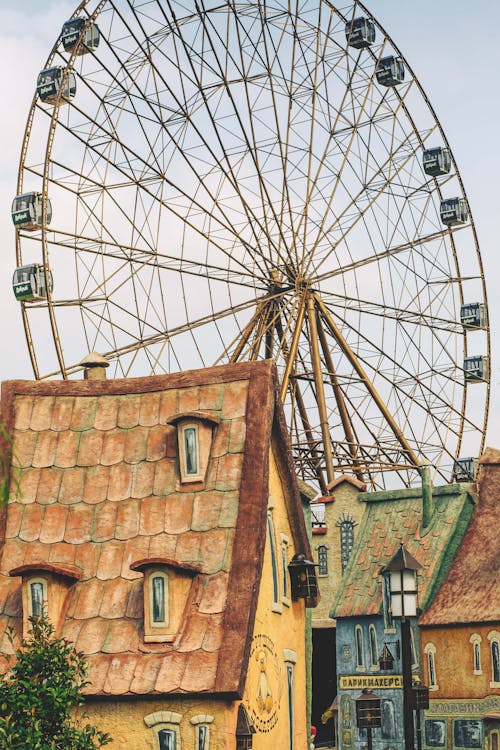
(166, 598)
(476, 640)
(190, 476)
(199, 721)
(494, 638)
(276, 605)
(290, 657)
(358, 634)
(164, 720)
(45, 595)
(430, 650)
(372, 634)
(285, 591)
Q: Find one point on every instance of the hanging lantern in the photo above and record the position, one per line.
(303, 579)
(386, 660)
(402, 574)
(368, 713)
(244, 730)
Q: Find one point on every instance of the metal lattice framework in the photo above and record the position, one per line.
(231, 182)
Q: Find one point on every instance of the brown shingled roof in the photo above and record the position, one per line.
(471, 591)
(98, 491)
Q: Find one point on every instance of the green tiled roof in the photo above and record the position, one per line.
(392, 518)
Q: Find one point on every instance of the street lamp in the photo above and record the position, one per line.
(402, 574)
(368, 713)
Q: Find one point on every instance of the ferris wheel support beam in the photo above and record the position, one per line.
(339, 398)
(320, 390)
(294, 347)
(336, 333)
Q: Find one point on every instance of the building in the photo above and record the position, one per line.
(154, 519)
(460, 632)
(430, 524)
(335, 522)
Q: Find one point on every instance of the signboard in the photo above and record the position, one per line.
(374, 682)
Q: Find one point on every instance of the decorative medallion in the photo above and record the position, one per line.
(264, 684)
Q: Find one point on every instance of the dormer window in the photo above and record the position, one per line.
(167, 589)
(37, 596)
(194, 439)
(45, 588)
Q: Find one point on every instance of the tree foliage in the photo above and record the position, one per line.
(40, 692)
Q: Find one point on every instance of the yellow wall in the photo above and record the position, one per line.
(454, 663)
(278, 634)
(124, 721)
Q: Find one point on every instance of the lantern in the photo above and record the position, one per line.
(402, 573)
(303, 580)
(244, 730)
(420, 697)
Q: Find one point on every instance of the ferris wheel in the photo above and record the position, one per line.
(209, 182)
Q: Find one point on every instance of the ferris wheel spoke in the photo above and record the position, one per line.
(390, 252)
(417, 316)
(430, 393)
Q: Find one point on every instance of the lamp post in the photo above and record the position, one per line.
(402, 574)
(368, 713)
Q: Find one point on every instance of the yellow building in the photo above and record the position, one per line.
(155, 520)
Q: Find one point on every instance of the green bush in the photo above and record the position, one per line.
(40, 692)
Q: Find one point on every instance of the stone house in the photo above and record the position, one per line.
(460, 632)
(154, 520)
(430, 526)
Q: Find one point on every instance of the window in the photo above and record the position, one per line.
(322, 560)
(467, 733)
(435, 733)
(194, 439)
(358, 636)
(386, 591)
(430, 650)
(158, 582)
(476, 639)
(289, 682)
(165, 725)
(494, 638)
(166, 588)
(346, 541)
(285, 584)
(373, 647)
(388, 719)
(37, 597)
(167, 739)
(191, 449)
(274, 562)
(201, 724)
(45, 590)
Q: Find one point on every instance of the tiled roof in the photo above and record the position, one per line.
(98, 490)
(471, 590)
(392, 518)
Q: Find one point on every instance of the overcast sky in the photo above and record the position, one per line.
(453, 48)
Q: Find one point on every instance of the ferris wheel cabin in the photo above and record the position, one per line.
(54, 80)
(436, 161)
(390, 71)
(360, 32)
(453, 211)
(29, 283)
(473, 315)
(72, 32)
(465, 469)
(476, 369)
(27, 211)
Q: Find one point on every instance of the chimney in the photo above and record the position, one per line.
(427, 503)
(94, 366)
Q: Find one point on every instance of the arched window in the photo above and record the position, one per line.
(430, 650)
(165, 726)
(476, 639)
(322, 560)
(285, 585)
(494, 638)
(373, 647)
(201, 723)
(346, 540)
(358, 636)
